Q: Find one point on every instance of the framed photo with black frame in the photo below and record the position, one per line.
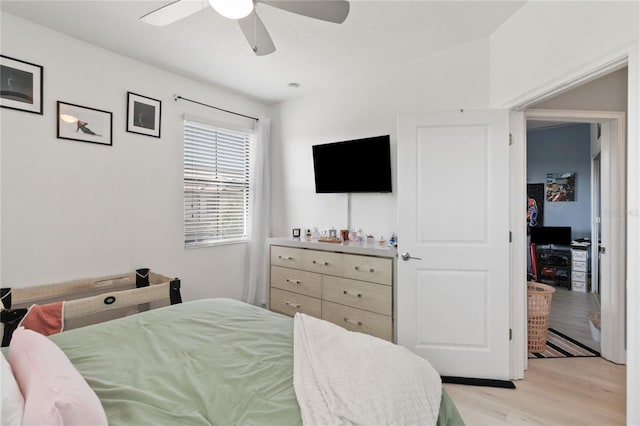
(143, 115)
(79, 123)
(20, 85)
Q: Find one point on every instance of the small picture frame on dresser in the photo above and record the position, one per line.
(295, 232)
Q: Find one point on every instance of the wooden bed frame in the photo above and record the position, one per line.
(102, 298)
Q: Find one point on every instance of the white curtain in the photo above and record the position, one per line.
(256, 286)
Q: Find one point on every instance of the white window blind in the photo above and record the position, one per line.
(216, 184)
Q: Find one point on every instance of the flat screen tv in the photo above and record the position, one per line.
(545, 235)
(358, 165)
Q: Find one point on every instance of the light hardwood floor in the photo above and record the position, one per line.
(570, 315)
(560, 391)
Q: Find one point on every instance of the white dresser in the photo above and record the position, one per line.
(350, 284)
(580, 269)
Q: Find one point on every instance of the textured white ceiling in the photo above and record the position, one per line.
(207, 47)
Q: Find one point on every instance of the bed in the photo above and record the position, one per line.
(213, 361)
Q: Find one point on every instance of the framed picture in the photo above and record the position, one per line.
(21, 85)
(78, 123)
(143, 115)
(561, 187)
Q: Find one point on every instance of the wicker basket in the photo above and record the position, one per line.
(538, 310)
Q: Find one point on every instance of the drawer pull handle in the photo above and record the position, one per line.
(365, 269)
(351, 294)
(285, 257)
(315, 262)
(289, 280)
(354, 322)
(293, 305)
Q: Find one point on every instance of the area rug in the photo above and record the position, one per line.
(562, 346)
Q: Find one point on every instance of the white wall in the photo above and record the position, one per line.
(545, 41)
(73, 209)
(452, 79)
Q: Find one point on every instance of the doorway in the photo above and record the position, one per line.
(561, 201)
(586, 98)
(611, 251)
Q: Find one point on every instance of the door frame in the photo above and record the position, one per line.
(614, 61)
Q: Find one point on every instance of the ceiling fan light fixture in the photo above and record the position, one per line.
(232, 9)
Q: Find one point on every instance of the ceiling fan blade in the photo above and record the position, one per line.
(326, 10)
(174, 12)
(256, 34)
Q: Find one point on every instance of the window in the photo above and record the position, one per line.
(216, 184)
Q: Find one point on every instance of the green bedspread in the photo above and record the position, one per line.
(215, 361)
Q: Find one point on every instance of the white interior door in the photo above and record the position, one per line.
(612, 246)
(453, 199)
(595, 222)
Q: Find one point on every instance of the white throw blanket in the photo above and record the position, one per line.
(342, 378)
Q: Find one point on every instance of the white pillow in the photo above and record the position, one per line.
(12, 405)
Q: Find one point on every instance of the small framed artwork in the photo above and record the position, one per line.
(143, 115)
(79, 123)
(561, 187)
(21, 85)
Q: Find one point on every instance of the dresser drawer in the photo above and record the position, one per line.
(578, 276)
(359, 294)
(367, 268)
(578, 265)
(288, 303)
(579, 255)
(323, 262)
(298, 281)
(358, 320)
(286, 256)
(578, 286)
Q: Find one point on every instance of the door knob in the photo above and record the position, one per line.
(406, 256)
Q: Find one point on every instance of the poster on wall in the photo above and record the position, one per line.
(535, 205)
(561, 187)
(80, 123)
(143, 115)
(20, 85)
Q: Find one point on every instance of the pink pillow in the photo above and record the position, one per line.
(54, 391)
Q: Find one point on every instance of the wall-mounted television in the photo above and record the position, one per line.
(357, 165)
(545, 235)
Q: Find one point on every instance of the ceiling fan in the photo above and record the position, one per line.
(244, 11)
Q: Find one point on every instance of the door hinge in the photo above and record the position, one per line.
(510, 334)
(510, 139)
(510, 236)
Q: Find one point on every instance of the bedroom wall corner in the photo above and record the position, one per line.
(78, 210)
